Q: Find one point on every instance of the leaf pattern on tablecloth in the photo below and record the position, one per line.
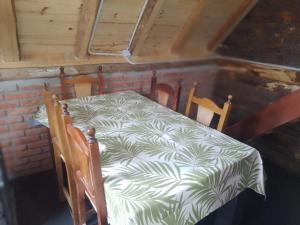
(160, 167)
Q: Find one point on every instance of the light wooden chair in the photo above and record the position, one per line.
(62, 155)
(82, 84)
(87, 172)
(163, 92)
(49, 104)
(207, 108)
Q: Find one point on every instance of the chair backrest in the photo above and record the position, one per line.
(49, 104)
(164, 92)
(62, 154)
(82, 84)
(87, 169)
(207, 108)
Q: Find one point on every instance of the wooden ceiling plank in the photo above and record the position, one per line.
(9, 46)
(87, 18)
(188, 26)
(229, 25)
(91, 60)
(153, 8)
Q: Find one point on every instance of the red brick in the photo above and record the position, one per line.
(2, 113)
(23, 110)
(42, 156)
(36, 131)
(38, 144)
(21, 95)
(47, 148)
(12, 134)
(1, 97)
(13, 163)
(32, 87)
(27, 153)
(9, 150)
(31, 102)
(10, 120)
(3, 129)
(18, 126)
(8, 105)
(33, 170)
(45, 136)
(26, 140)
(27, 166)
(5, 143)
(48, 162)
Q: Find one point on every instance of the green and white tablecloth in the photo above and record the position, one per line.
(160, 167)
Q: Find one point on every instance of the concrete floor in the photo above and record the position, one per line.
(38, 203)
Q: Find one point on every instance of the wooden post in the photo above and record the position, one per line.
(86, 22)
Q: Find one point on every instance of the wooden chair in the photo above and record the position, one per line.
(207, 108)
(87, 171)
(62, 155)
(164, 92)
(82, 84)
(49, 104)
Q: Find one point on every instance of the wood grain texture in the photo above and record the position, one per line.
(208, 109)
(88, 179)
(82, 84)
(153, 8)
(9, 46)
(87, 16)
(268, 35)
(230, 23)
(52, 33)
(188, 26)
(163, 92)
(278, 113)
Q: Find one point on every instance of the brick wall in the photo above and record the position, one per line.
(26, 147)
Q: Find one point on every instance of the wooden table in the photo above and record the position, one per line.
(160, 167)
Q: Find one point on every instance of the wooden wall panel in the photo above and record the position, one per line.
(115, 27)
(54, 32)
(269, 33)
(166, 25)
(212, 18)
(9, 48)
(47, 29)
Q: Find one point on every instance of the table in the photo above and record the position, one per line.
(160, 167)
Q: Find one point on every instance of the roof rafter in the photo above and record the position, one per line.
(9, 46)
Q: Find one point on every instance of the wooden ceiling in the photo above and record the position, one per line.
(38, 33)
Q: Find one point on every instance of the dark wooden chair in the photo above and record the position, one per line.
(164, 92)
(87, 172)
(207, 108)
(62, 155)
(82, 84)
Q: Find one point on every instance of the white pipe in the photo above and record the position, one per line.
(127, 53)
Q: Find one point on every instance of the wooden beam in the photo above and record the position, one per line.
(152, 9)
(9, 47)
(87, 16)
(229, 25)
(188, 26)
(92, 60)
(277, 113)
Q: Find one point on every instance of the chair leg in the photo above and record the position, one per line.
(59, 174)
(80, 211)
